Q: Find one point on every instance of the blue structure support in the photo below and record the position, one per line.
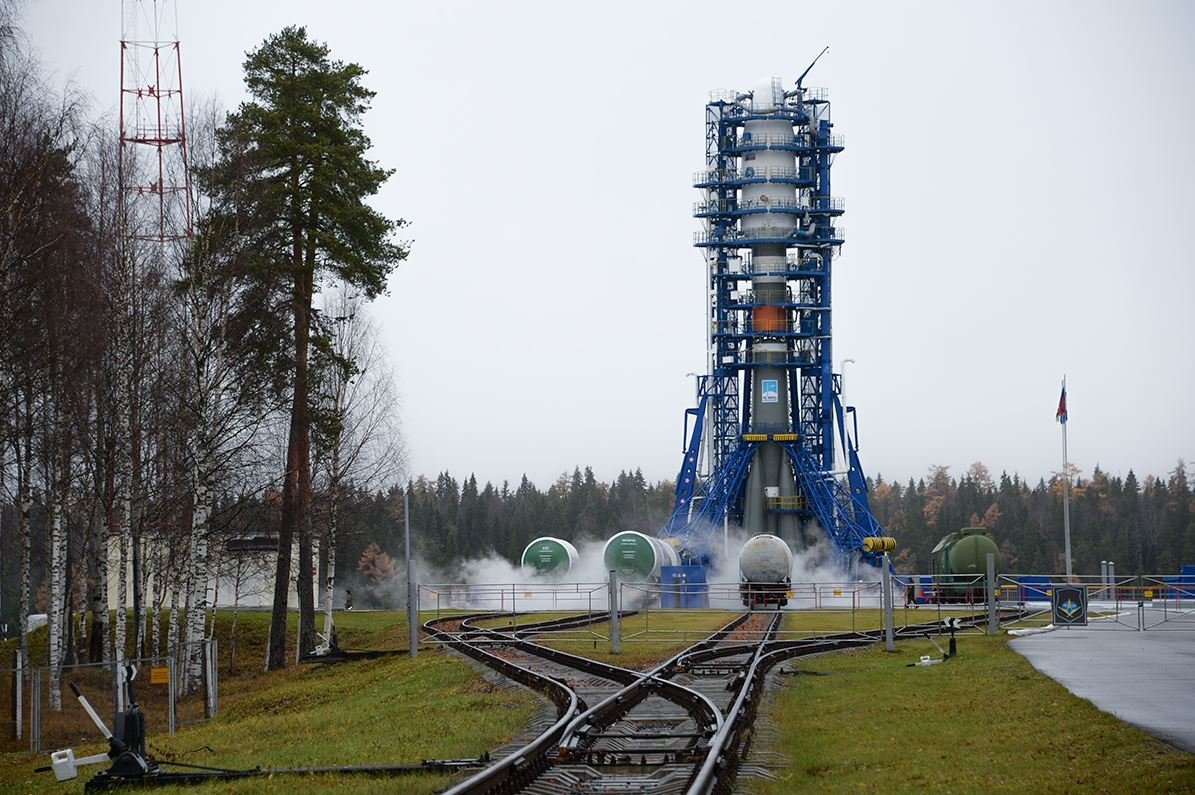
(770, 399)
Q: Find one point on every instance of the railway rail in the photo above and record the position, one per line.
(684, 726)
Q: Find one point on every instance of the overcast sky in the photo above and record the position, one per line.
(1018, 179)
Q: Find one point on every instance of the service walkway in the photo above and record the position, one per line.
(1144, 678)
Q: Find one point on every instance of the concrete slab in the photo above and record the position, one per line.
(1144, 678)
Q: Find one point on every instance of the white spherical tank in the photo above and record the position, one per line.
(765, 558)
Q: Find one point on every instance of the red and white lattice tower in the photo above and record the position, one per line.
(155, 183)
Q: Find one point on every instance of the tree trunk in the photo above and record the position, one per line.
(156, 583)
(57, 595)
(296, 491)
(98, 648)
(330, 546)
(198, 573)
(172, 632)
(25, 505)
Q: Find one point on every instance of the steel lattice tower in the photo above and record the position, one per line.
(155, 183)
(154, 212)
(769, 402)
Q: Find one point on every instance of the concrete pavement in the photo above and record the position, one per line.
(1144, 678)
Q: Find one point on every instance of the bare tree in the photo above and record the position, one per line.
(360, 444)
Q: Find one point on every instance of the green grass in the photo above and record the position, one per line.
(391, 710)
(509, 622)
(648, 638)
(982, 721)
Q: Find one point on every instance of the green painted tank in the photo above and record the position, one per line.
(638, 558)
(965, 552)
(547, 556)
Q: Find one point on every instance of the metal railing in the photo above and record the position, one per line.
(719, 176)
(781, 204)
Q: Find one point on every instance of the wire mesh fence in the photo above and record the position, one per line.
(36, 718)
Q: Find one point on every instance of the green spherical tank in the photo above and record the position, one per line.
(966, 552)
(547, 555)
(636, 557)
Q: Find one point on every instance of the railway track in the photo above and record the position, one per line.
(684, 726)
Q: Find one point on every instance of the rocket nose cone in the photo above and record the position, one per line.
(762, 98)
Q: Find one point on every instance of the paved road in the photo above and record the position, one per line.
(1144, 678)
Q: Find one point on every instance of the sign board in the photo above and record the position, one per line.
(159, 675)
(769, 390)
(1070, 605)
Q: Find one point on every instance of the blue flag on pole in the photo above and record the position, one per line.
(1061, 415)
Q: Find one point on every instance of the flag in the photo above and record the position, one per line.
(1061, 415)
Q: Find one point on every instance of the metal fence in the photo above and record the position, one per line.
(1137, 603)
(31, 723)
(812, 608)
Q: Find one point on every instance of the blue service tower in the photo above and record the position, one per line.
(760, 450)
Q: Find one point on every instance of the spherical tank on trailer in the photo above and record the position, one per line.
(765, 558)
(548, 555)
(969, 554)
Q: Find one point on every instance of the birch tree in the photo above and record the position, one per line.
(360, 444)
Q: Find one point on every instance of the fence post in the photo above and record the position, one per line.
(993, 618)
(18, 690)
(886, 579)
(615, 628)
(413, 617)
(210, 682)
(171, 694)
(35, 710)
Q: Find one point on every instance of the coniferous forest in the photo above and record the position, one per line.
(1145, 525)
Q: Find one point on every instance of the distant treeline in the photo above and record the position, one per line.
(1146, 526)
(453, 521)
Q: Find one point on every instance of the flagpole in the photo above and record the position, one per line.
(1066, 505)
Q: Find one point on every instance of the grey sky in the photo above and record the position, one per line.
(1018, 181)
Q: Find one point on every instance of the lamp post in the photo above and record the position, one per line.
(412, 588)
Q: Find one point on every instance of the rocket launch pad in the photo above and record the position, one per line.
(762, 453)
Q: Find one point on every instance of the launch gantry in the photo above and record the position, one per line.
(761, 452)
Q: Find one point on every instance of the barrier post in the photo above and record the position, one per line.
(993, 618)
(886, 575)
(413, 616)
(35, 710)
(615, 628)
(18, 691)
(171, 695)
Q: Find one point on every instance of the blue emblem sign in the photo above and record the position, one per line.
(769, 390)
(1070, 605)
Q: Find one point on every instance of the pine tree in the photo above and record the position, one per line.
(294, 167)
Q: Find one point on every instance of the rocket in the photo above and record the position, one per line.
(771, 484)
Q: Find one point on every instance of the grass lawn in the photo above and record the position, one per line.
(647, 638)
(510, 622)
(984, 721)
(388, 711)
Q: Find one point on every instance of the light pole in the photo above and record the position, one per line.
(412, 588)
